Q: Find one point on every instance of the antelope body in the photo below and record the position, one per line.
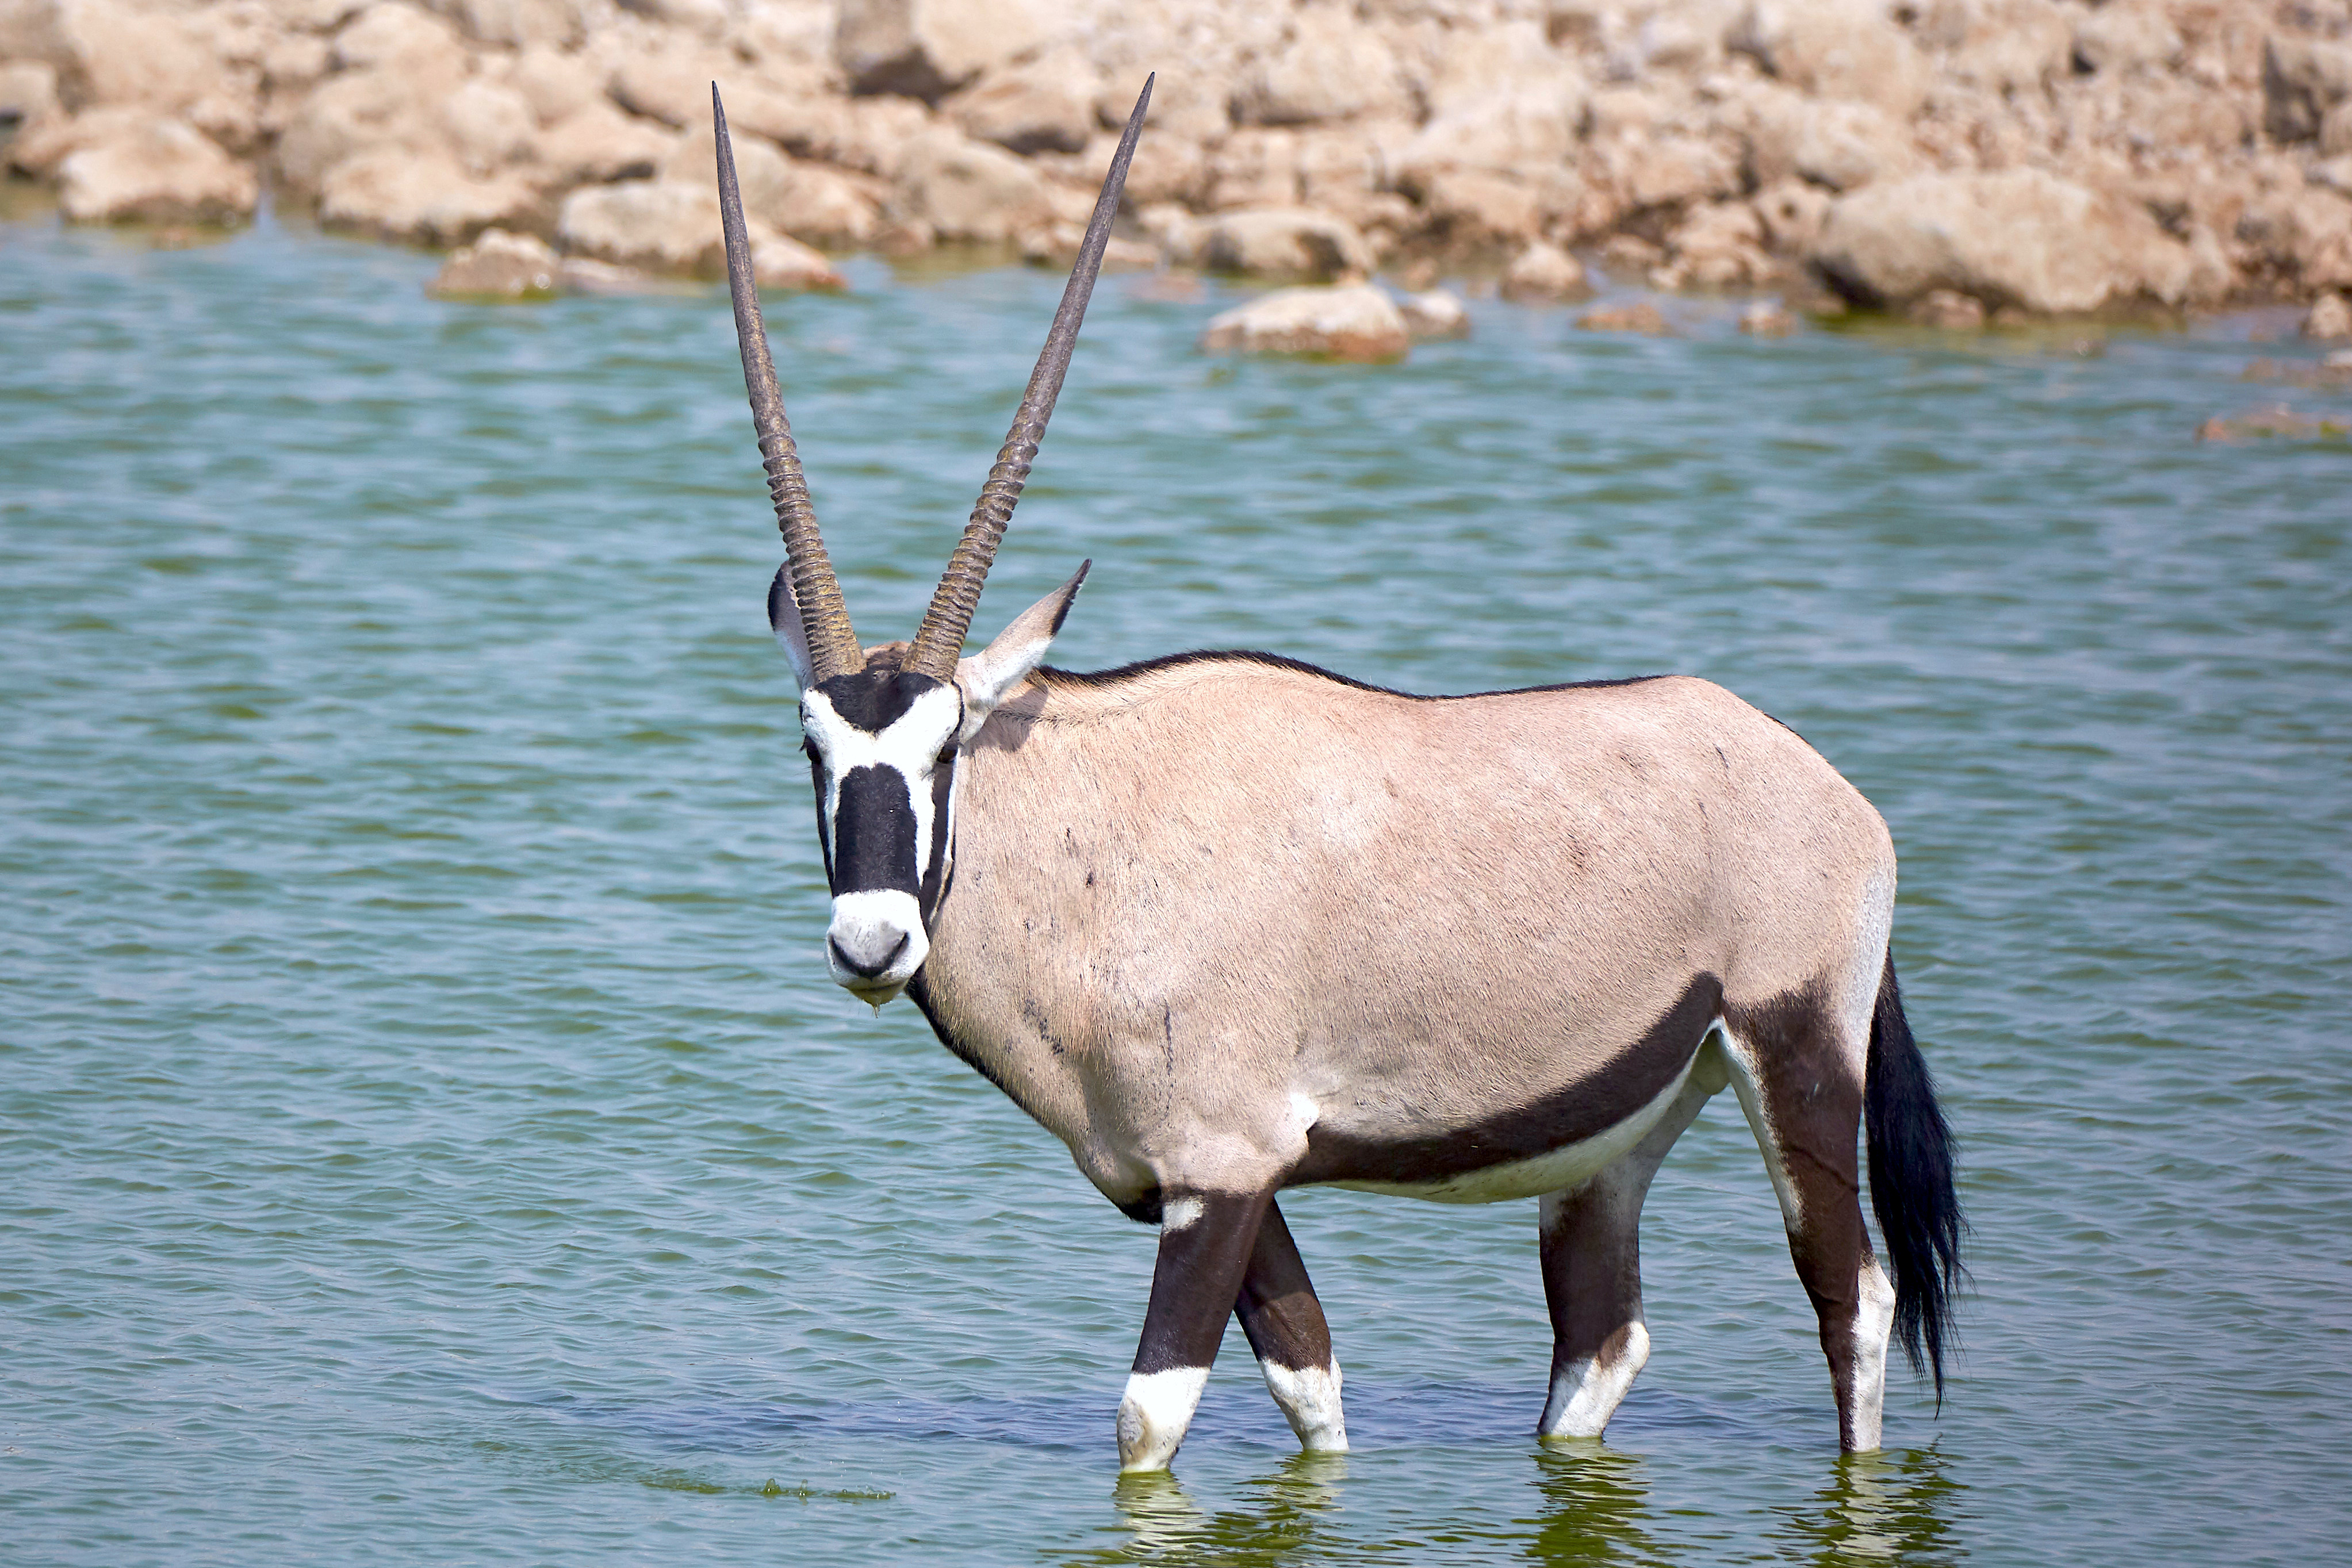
(1226, 924)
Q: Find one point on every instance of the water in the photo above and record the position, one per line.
(429, 1134)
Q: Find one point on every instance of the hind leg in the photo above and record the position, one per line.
(1590, 1240)
(1800, 1079)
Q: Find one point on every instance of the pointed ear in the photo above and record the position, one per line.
(784, 620)
(988, 677)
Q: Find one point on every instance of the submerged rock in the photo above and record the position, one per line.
(500, 265)
(157, 170)
(1544, 271)
(1351, 321)
(1639, 317)
(2330, 316)
(2278, 421)
(1434, 313)
(1766, 319)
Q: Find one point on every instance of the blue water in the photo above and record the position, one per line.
(429, 1134)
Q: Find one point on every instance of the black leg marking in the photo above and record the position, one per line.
(1287, 1329)
(1205, 1242)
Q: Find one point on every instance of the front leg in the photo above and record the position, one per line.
(1287, 1329)
(1205, 1242)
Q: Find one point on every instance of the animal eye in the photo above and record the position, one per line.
(808, 750)
(947, 758)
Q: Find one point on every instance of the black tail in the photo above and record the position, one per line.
(1911, 1183)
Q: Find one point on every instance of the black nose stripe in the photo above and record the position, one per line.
(873, 847)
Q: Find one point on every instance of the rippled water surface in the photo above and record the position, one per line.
(429, 1135)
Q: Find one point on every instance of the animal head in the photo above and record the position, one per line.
(883, 727)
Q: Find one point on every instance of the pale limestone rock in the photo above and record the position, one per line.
(28, 96)
(927, 48)
(1355, 322)
(294, 61)
(556, 83)
(1942, 307)
(819, 204)
(422, 197)
(2014, 46)
(1329, 66)
(702, 19)
(775, 31)
(1717, 246)
(658, 225)
(965, 189)
(596, 143)
(154, 170)
(1434, 313)
(1841, 144)
(1639, 317)
(106, 52)
(1174, 231)
(1285, 242)
(1765, 319)
(1792, 213)
(386, 109)
(1835, 48)
(500, 265)
(1666, 169)
(2330, 318)
(518, 23)
(1477, 208)
(389, 34)
(2302, 79)
(1045, 105)
(2335, 130)
(2021, 238)
(2304, 233)
(2124, 35)
(780, 261)
(488, 125)
(1057, 245)
(1544, 271)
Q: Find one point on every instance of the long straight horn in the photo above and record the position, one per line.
(831, 645)
(939, 642)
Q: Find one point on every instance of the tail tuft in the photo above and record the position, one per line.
(1911, 1188)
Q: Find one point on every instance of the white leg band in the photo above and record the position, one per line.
(1153, 1416)
(1585, 1393)
(1873, 1320)
(1309, 1398)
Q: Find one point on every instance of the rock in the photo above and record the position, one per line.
(155, 170)
(2303, 235)
(1792, 213)
(1639, 317)
(1355, 322)
(966, 190)
(377, 110)
(555, 83)
(782, 262)
(2336, 130)
(927, 48)
(1835, 48)
(1283, 242)
(422, 197)
(1717, 246)
(1766, 319)
(519, 23)
(29, 95)
(1057, 247)
(488, 125)
(1944, 309)
(2302, 79)
(1544, 272)
(2330, 318)
(498, 266)
(2125, 36)
(656, 225)
(1045, 105)
(586, 275)
(1434, 313)
(1842, 145)
(390, 33)
(2021, 238)
(1477, 208)
(1330, 66)
(2013, 46)
(104, 52)
(2278, 419)
(596, 144)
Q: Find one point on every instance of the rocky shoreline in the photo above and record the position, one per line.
(1959, 162)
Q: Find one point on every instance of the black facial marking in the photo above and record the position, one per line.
(874, 830)
(939, 872)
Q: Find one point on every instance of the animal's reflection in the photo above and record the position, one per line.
(1894, 1506)
(1276, 1524)
(1594, 1501)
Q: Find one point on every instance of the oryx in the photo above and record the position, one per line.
(1226, 923)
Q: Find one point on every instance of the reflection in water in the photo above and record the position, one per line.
(1892, 1506)
(1594, 1501)
(1276, 1524)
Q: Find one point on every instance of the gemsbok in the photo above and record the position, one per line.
(1227, 924)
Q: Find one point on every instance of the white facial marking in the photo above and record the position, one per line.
(1154, 1414)
(869, 924)
(1585, 1393)
(1874, 1321)
(1179, 1212)
(1309, 1398)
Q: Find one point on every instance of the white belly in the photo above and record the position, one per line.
(1571, 1165)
